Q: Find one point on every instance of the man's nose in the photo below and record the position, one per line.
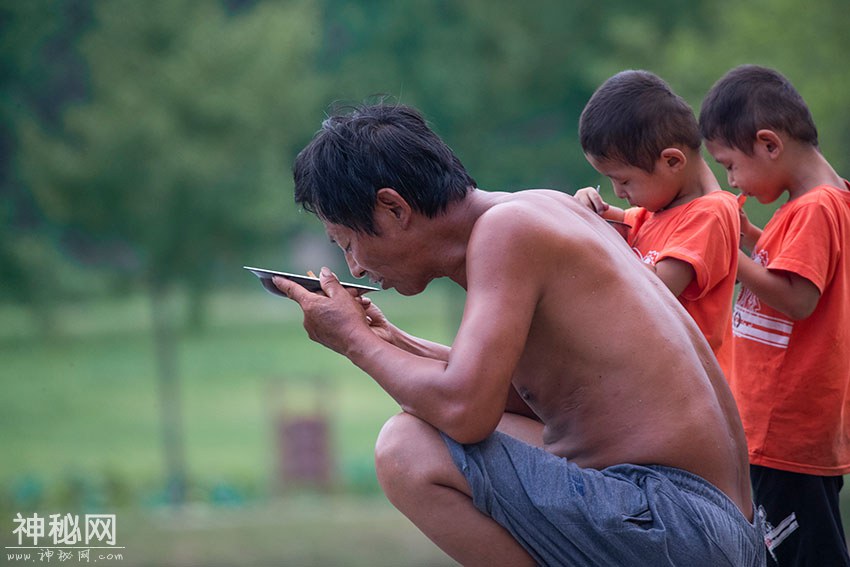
(354, 267)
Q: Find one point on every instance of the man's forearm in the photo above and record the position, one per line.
(426, 387)
(419, 346)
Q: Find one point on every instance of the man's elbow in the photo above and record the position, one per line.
(468, 425)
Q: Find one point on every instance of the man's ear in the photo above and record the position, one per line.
(770, 142)
(673, 158)
(390, 203)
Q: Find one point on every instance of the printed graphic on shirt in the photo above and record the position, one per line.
(651, 257)
(749, 323)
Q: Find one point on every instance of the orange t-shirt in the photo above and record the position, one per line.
(705, 233)
(792, 378)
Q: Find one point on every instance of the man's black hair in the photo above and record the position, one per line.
(369, 147)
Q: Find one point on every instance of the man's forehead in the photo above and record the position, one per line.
(336, 231)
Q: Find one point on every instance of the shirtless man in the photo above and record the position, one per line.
(579, 416)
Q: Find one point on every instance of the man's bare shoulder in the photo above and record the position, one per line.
(535, 234)
(525, 212)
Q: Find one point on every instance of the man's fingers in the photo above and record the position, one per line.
(329, 282)
(290, 289)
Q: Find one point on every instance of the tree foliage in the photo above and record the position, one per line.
(157, 137)
(178, 157)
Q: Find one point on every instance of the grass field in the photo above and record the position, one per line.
(80, 430)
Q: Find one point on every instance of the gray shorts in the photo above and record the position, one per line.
(623, 515)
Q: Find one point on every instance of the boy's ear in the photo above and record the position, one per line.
(673, 158)
(393, 206)
(770, 142)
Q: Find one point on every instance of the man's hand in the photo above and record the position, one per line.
(331, 318)
(378, 322)
(590, 198)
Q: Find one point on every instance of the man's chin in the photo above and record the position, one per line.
(407, 290)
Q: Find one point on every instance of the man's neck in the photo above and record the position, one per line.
(449, 232)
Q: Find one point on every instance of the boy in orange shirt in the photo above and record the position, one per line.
(636, 131)
(791, 322)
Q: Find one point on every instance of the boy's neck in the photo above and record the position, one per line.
(698, 181)
(807, 169)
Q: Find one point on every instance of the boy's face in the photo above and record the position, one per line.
(750, 174)
(652, 191)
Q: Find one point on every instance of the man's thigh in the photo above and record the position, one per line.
(523, 428)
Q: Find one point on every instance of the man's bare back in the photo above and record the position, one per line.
(629, 360)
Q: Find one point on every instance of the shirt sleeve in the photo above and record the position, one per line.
(706, 237)
(634, 217)
(810, 243)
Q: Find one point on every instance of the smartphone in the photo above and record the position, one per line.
(308, 282)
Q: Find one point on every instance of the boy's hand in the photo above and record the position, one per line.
(750, 233)
(590, 198)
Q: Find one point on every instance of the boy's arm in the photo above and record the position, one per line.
(787, 292)
(676, 274)
(701, 249)
(590, 198)
(750, 233)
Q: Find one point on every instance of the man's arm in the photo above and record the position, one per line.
(465, 396)
(788, 293)
(384, 329)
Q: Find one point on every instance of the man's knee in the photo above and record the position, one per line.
(404, 452)
(397, 440)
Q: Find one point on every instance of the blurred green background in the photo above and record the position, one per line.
(145, 155)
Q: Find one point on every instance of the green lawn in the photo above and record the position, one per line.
(80, 430)
(304, 530)
(87, 402)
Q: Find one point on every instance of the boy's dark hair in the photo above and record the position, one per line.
(749, 98)
(632, 117)
(338, 174)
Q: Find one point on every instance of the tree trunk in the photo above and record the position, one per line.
(169, 396)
